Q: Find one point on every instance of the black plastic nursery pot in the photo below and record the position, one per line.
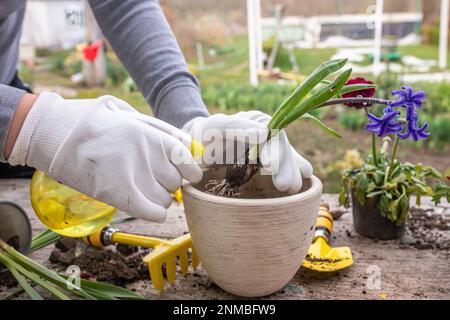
(369, 222)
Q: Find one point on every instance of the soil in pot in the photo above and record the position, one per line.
(369, 222)
(260, 188)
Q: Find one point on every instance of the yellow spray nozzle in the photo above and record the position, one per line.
(197, 149)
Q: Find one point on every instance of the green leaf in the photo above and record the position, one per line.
(343, 198)
(360, 196)
(434, 173)
(43, 239)
(20, 279)
(374, 194)
(420, 188)
(323, 95)
(104, 291)
(355, 87)
(44, 284)
(362, 182)
(322, 125)
(41, 271)
(318, 75)
(383, 204)
(441, 190)
(403, 207)
(371, 186)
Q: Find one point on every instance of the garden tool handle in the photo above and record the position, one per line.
(109, 236)
(324, 224)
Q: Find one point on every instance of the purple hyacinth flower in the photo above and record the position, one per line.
(389, 124)
(409, 99)
(413, 130)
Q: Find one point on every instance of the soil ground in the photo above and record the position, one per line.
(414, 267)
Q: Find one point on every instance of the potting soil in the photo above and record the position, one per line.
(107, 265)
(427, 230)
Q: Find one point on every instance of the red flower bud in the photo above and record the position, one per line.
(366, 93)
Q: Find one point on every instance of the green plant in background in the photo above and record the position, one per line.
(351, 120)
(266, 97)
(441, 191)
(68, 63)
(116, 72)
(387, 82)
(440, 133)
(383, 178)
(437, 96)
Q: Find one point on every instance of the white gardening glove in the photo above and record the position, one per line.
(97, 147)
(277, 156)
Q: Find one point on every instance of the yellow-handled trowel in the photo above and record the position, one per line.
(321, 257)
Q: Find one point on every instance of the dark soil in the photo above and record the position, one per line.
(337, 214)
(65, 244)
(106, 265)
(6, 278)
(14, 242)
(235, 176)
(260, 186)
(426, 230)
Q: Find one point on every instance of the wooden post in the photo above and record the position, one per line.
(277, 43)
(443, 34)
(200, 57)
(94, 72)
(252, 38)
(258, 32)
(378, 37)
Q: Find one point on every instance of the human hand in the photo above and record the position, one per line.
(277, 156)
(107, 150)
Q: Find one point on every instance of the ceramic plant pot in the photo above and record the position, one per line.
(369, 222)
(253, 245)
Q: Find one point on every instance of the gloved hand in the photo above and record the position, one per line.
(277, 156)
(101, 149)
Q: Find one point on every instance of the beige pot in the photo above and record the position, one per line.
(254, 245)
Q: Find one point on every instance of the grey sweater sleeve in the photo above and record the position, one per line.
(140, 35)
(9, 99)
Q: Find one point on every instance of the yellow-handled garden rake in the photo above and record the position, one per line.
(164, 253)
